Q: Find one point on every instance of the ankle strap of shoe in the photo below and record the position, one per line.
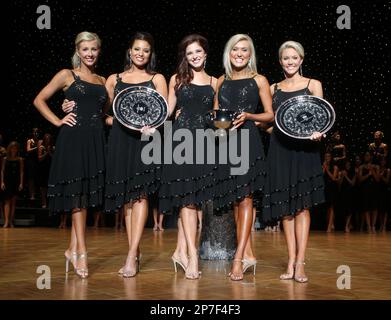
(82, 255)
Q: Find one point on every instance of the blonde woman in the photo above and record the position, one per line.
(76, 178)
(295, 178)
(243, 90)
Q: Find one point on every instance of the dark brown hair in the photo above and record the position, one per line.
(184, 74)
(150, 67)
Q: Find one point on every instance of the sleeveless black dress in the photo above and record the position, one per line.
(330, 187)
(377, 152)
(127, 177)
(243, 96)
(384, 193)
(337, 152)
(76, 178)
(32, 162)
(44, 169)
(189, 183)
(347, 194)
(295, 176)
(369, 191)
(11, 178)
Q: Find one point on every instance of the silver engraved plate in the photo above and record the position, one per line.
(139, 106)
(299, 117)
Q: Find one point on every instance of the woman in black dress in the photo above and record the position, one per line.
(32, 161)
(11, 181)
(337, 150)
(384, 178)
(295, 178)
(378, 148)
(243, 90)
(368, 176)
(347, 181)
(358, 207)
(185, 186)
(129, 181)
(76, 178)
(330, 173)
(45, 155)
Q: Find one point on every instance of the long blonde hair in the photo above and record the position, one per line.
(252, 63)
(83, 36)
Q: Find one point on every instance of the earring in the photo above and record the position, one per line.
(301, 70)
(204, 63)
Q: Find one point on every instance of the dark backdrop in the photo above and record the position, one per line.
(353, 65)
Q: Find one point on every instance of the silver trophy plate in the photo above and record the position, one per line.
(299, 117)
(139, 106)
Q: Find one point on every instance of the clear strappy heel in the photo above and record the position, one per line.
(248, 264)
(177, 261)
(128, 273)
(300, 279)
(70, 259)
(82, 272)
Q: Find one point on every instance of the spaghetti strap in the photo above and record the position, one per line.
(118, 77)
(308, 83)
(153, 76)
(74, 75)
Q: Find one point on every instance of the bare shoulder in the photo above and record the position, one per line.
(315, 84)
(111, 79)
(159, 80)
(220, 80)
(214, 82)
(103, 79)
(159, 77)
(64, 75)
(173, 80)
(262, 81)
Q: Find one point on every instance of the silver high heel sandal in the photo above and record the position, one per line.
(82, 272)
(302, 279)
(192, 275)
(128, 274)
(287, 275)
(70, 259)
(232, 276)
(121, 271)
(248, 264)
(177, 261)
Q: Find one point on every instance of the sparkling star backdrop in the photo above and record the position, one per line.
(353, 65)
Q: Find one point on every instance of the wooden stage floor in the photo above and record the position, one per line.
(23, 250)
